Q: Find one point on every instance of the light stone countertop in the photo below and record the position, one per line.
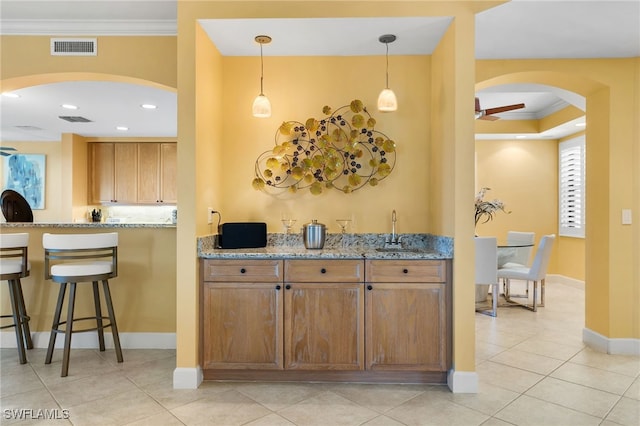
(354, 246)
(89, 225)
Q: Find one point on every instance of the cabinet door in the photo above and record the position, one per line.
(126, 172)
(406, 326)
(242, 326)
(148, 173)
(169, 173)
(102, 172)
(323, 325)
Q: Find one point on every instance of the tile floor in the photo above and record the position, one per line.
(533, 370)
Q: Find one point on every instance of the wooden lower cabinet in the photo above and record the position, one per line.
(318, 319)
(407, 315)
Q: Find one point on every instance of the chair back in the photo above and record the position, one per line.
(486, 260)
(522, 254)
(14, 255)
(81, 256)
(538, 269)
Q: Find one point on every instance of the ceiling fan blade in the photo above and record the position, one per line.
(478, 105)
(489, 118)
(505, 108)
(7, 148)
(4, 154)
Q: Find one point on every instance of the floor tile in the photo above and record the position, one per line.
(527, 361)
(634, 390)
(90, 388)
(593, 377)
(278, 396)
(163, 418)
(581, 398)
(528, 411)
(503, 376)
(115, 410)
(382, 420)
(19, 381)
(380, 398)
(626, 412)
(429, 408)
(271, 420)
(327, 408)
(622, 364)
(225, 408)
(489, 399)
(23, 408)
(549, 348)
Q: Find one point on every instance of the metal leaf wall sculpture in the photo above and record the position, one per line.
(341, 151)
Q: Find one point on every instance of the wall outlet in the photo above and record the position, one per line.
(210, 215)
(626, 216)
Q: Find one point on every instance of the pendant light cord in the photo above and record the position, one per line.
(387, 74)
(261, 71)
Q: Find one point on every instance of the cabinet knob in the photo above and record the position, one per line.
(242, 270)
(369, 287)
(405, 270)
(278, 287)
(323, 271)
(288, 287)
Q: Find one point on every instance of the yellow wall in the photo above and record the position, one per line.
(305, 80)
(143, 292)
(523, 174)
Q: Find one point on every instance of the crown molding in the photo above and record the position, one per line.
(124, 27)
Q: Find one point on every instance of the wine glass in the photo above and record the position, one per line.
(288, 224)
(343, 223)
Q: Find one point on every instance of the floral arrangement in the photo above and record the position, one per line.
(486, 209)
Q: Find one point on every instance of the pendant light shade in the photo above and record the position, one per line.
(387, 101)
(261, 106)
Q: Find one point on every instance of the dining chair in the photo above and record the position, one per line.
(487, 270)
(536, 273)
(522, 254)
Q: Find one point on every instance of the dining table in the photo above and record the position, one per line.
(507, 251)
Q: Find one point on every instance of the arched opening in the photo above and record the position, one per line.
(593, 98)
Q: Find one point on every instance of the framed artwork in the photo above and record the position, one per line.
(25, 174)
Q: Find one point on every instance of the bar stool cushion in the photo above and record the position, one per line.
(81, 269)
(12, 266)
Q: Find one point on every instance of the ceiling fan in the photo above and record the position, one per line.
(3, 150)
(487, 114)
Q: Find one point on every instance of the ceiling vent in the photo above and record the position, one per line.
(74, 119)
(74, 47)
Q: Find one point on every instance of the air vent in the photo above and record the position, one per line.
(34, 128)
(74, 119)
(74, 47)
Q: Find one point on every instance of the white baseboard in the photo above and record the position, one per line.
(187, 378)
(561, 279)
(608, 345)
(89, 340)
(462, 381)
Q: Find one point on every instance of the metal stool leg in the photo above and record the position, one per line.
(112, 319)
(26, 331)
(68, 330)
(56, 323)
(17, 321)
(96, 302)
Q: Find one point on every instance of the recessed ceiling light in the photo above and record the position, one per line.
(520, 137)
(122, 128)
(69, 106)
(10, 95)
(581, 124)
(148, 106)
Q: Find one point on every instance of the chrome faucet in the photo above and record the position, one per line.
(394, 240)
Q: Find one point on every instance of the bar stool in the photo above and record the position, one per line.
(76, 258)
(14, 264)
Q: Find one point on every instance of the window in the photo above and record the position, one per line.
(571, 188)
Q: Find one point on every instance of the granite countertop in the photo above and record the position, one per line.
(353, 246)
(84, 225)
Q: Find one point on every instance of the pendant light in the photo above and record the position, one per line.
(261, 105)
(387, 101)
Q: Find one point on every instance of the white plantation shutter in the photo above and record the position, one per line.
(572, 188)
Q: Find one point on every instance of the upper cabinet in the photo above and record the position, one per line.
(132, 173)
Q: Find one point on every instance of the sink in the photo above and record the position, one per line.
(400, 250)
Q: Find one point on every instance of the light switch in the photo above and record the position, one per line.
(626, 216)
